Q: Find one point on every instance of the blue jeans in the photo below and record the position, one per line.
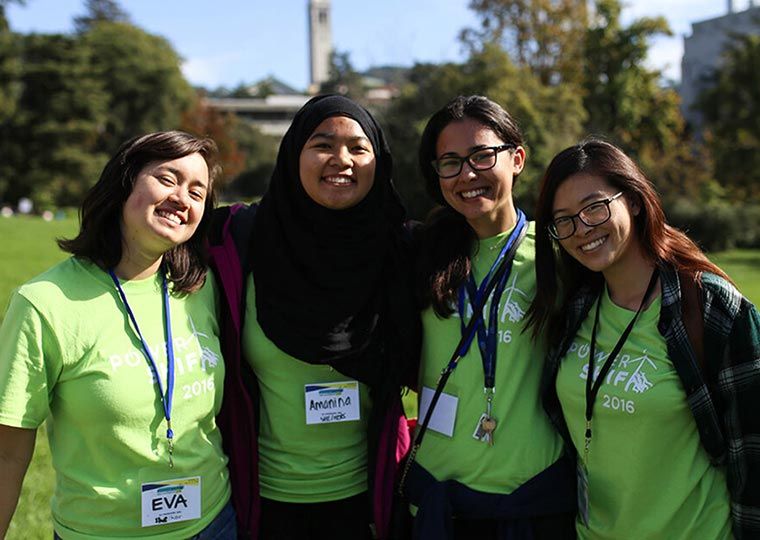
(223, 527)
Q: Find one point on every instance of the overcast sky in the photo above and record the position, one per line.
(225, 42)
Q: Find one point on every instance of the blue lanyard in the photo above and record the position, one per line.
(487, 335)
(166, 397)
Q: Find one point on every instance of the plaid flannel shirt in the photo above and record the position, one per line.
(724, 397)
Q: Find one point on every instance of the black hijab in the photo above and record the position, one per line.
(332, 286)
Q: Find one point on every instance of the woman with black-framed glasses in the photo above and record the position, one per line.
(491, 465)
(653, 374)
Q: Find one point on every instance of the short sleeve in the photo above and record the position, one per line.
(29, 365)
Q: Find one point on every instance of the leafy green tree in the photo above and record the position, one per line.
(344, 79)
(10, 86)
(205, 121)
(731, 109)
(100, 11)
(10, 68)
(259, 153)
(623, 98)
(540, 34)
(141, 74)
(50, 143)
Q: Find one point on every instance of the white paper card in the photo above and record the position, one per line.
(171, 501)
(327, 403)
(444, 414)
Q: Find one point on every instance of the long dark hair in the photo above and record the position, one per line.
(99, 238)
(447, 239)
(558, 275)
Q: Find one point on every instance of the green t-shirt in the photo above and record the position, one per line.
(648, 475)
(68, 355)
(524, 441)
(300, 462)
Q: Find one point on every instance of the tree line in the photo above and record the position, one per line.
(566, 69)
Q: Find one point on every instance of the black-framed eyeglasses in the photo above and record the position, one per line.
(481, 159)
(592, 215)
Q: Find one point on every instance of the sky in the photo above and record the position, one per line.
(228, 42)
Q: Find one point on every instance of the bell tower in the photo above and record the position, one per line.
(320, 43)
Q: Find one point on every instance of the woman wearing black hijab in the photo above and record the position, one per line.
(323, 327)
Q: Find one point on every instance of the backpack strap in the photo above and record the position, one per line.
(228, 246)
(241, 228)
(691, 313)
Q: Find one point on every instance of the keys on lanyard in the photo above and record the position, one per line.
(166, 397)
(498, 273)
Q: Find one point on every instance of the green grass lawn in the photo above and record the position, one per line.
(743, 266)
(29, 248)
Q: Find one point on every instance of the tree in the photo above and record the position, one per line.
(204, 121)
(49, 146)
(623, 98)
(100, 11)
(10, 69)
(540, 34)
(731, 109)
(141, 74)
(260, 153)
(344, 79)
(10, 87)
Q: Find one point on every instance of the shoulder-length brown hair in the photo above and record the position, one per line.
(558, 275)
(100, 235)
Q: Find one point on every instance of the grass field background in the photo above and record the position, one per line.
(28, 246)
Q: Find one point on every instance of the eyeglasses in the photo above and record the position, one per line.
(481, 159)
(591, 215)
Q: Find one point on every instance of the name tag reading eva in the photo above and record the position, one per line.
(171, 501)
(327, 403)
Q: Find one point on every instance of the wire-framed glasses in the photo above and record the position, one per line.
(481, 159)
(592, 215)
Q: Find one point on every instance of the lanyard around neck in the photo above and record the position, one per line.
(592, 389)
(166, 397)
(478, 296)
(464, 343)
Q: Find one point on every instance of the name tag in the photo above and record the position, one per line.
(444, 414)
(171, 501)
(327, 403)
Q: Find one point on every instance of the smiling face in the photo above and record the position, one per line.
(165, 206)
(337, 164)
(605, 247)
(484, 198)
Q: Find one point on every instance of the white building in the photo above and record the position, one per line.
(703, 50)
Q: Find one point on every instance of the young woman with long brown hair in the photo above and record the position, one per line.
(490, 465)
(653, 376)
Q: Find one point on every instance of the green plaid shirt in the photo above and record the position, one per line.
(724, 397)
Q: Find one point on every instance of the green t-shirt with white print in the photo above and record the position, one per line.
(524, 442)
(69, 356)
(648, 475)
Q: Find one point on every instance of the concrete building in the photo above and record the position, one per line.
(703, 49)
(271, 114)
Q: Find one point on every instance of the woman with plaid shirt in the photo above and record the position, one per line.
(654, 376)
